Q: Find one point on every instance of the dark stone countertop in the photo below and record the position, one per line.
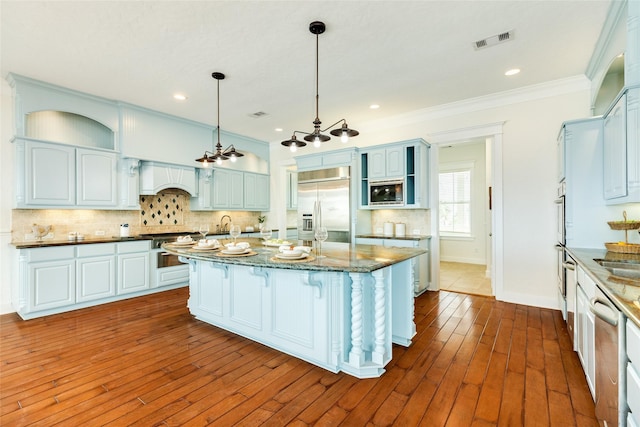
(341, 257)
(623, 293)
(30, 244)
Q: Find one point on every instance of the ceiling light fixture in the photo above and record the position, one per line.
(512, 72)
(317, 137)
(228, 153)
(179, 97)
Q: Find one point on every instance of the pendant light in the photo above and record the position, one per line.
(228, 153)
(317, 137)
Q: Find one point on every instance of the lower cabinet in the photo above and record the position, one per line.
(50, 279)
(585, 328)
(95, 271)
(133, 267)
(62, 278)
(269, 306)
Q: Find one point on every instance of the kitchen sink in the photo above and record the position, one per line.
(622, 269)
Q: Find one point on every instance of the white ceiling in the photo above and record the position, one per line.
(403, 55)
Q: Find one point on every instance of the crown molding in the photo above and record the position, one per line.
(500, 99)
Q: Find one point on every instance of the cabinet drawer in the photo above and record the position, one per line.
(130, 247)
(587, 283)
(633, 343)
(51, 254)
(96, 250)
(633, 389)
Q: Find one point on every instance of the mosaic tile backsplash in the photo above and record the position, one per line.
(164, 208)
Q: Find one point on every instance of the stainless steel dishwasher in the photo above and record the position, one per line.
(610, 361)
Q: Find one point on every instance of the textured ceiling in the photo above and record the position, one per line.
(403, 55)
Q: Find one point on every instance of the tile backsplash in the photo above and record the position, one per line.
(164, 212)
(414, 219)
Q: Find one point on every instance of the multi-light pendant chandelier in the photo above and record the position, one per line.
(219, 155)
(317, 137)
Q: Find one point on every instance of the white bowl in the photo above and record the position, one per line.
(235, 249)
(291, 252)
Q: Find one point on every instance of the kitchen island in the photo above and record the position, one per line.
(342, 312)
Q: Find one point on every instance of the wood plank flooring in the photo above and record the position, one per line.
(147, 362)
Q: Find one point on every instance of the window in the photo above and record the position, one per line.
(455, 202)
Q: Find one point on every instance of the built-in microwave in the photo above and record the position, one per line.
(386, 193)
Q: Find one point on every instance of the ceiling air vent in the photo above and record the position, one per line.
(258, 114)
(493, 40)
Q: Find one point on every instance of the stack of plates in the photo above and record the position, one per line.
(292, 256)
(241, 251)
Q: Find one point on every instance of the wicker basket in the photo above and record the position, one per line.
(628, 248)
(624, 225)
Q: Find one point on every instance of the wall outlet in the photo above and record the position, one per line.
(99, 232)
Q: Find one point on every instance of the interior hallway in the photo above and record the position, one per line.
(464, 278)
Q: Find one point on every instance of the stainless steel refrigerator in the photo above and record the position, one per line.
(323, 200)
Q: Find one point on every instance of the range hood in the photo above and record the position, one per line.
(156, 177)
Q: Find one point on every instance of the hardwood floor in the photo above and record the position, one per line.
(464, 278)
(146, 361)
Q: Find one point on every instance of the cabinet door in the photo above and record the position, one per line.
(585, 331)
(97, 178)
(256, 192)
(95, 278)
(228, 189)
(394, 162)
(133, 272)
(292, 190)
(51, 284)
(615, 151)
(221, 195)
(377, 164)
(50, 174)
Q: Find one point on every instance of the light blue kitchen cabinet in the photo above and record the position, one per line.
(133, 267)
(292, 190)
(228, 189)
(204, 200)
(386, 163)
(50, 175)
(95, 271)
(97, 174)
(326, 160)
(256, 192)
(46, 280)
(46, 174)
(622, 149)
(407, 161)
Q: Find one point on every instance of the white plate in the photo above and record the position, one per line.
(283, 256)
(204, 248)
(228, 252)
(191, 243)
(276, 245)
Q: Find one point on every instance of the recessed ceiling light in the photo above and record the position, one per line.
(278, 129)
(512, 72)
(179, 97)
(374, 106)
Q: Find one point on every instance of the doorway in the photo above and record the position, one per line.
(465, 216)
(491, 228)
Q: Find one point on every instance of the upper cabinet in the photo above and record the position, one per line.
(405, 161)
(56, 175)
(386, 163)
(622, 149)
(326, 160)
(228, 189)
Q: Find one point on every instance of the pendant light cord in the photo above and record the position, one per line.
(317, 81)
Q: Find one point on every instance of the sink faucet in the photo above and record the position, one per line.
(224, 227)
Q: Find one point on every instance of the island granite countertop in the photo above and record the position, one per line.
(624, 294)
(338, 257)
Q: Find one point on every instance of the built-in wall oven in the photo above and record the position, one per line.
(561, 264)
